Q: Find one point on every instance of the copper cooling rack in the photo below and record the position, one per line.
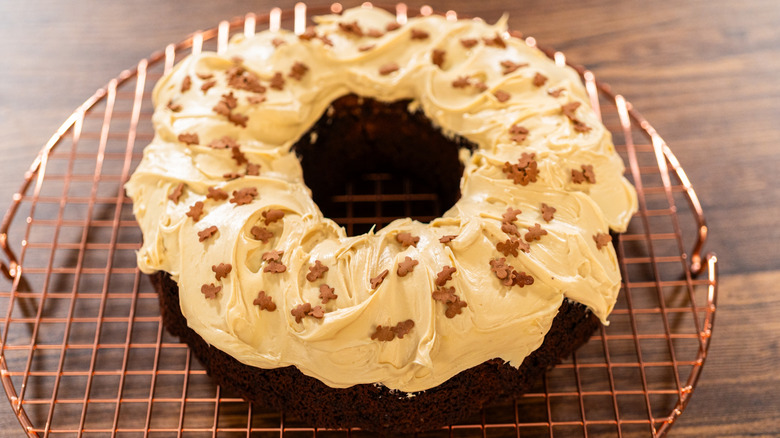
(84, 352)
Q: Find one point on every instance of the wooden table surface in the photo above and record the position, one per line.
(705, 73)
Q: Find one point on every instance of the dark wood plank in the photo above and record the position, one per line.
(737, 392)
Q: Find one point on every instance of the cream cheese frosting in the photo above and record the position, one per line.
(356, 53)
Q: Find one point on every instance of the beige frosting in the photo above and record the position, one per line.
(498, 322)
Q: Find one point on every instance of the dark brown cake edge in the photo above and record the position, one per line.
(376, 407)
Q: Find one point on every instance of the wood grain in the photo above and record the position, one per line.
(704, 73)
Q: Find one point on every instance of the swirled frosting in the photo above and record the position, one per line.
(480, 84)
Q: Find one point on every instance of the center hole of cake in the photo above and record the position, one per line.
(368, 163)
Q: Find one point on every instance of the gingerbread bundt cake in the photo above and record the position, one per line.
(409, 327)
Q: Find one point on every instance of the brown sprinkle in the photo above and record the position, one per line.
(174, 107)
(448, 238)
(587, 174)
(502, 96)
(189, 138)
(351, 28)
(376, 281)
(278, 42)
(437, 57)
(238, 119)
(524, 246)
(502, 271)
(510, 215)
(418, 34)
(387, 334)
(469, 42)
(309, 34)
(300, 311)
(298, 70)
(275, 268)
(264, 301)
(221, 109)
(535, 233)
(240, 78)
(444, 275)
(510, 229)
(539, 79)
(229, 100)
(272, 215)
(186, 84)
(602, 240)
(517, 133)
(272, 256)
(522, 279)
(231, 175)
(216, 194)
(261, 233)
(326, 293)
(547, 212)
(556, 92)
(461, 82)
(317, 312)
(253, 169)
(210, 290)
(508, 275)
(444, 294)
(226, 104)
(580, 126)
(495, 41)
(222, 270)
(256, 99)
(568, 109)
(406, 266)
(244, 196)
(207, 85)
(407, 240)
(383, 334)
(366, 47)
(196, 211)
(480, 86)
(524, 172)
(388, 68)
(511, 66)
(277, 81)
(176, 193)
(325, 40)
(392, 26)
(208, 232)
(403, 328)
(316, 271)
(455, 307)
(509, 246)
(223, 143)
(237, 155)
(375, 33)
(303, 310)
(526, 159)
(577, 177)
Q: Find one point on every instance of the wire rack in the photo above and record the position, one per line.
(84, 352)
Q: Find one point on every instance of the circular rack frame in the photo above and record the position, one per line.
(83, 351)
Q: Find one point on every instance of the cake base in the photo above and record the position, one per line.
(376, 407)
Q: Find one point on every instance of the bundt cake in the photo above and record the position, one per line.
(411, 326)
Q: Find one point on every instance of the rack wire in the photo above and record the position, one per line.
(84, 352)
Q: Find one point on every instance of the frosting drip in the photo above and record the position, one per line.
(337, 348)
